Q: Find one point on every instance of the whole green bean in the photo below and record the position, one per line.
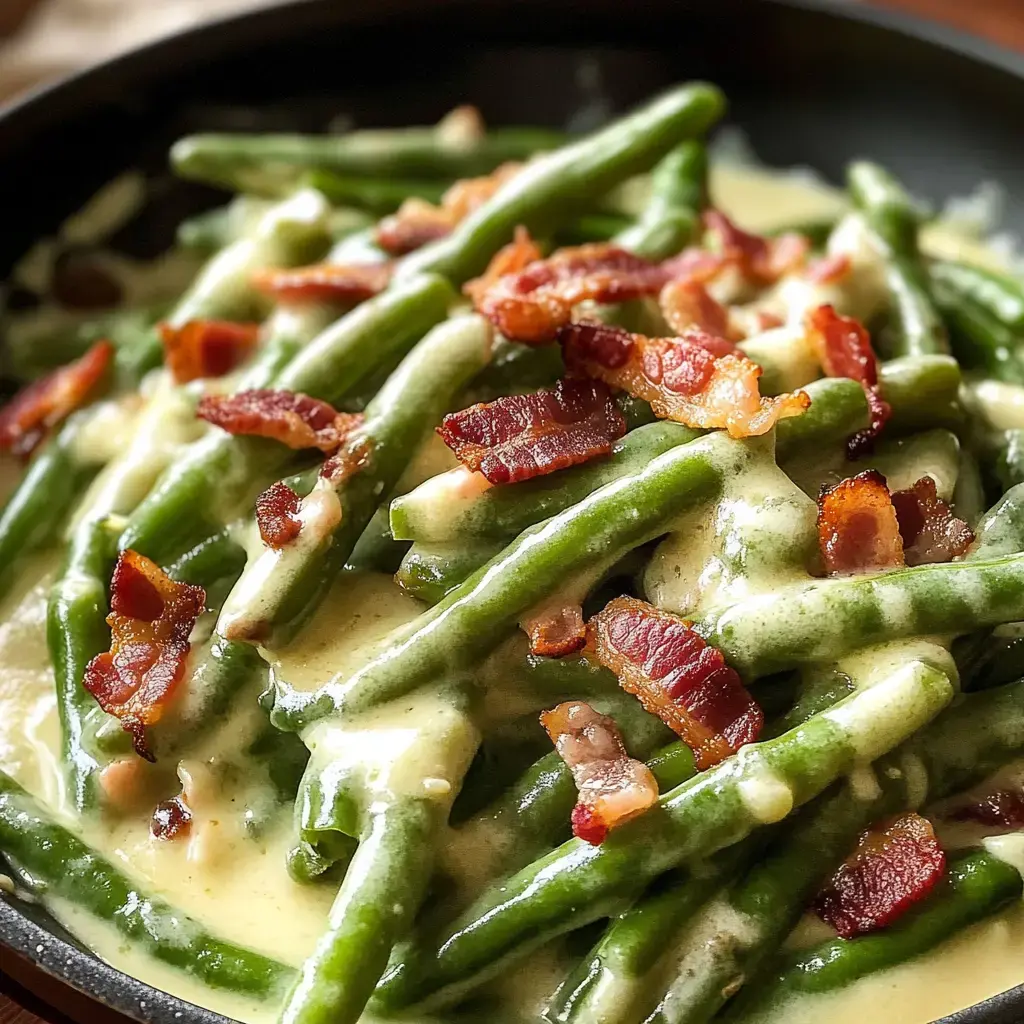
(1000, 294)
(432, 571)
(52, 862)
(378, 195)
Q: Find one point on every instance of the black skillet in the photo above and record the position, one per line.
(813, 83)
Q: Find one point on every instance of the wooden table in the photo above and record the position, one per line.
(1001, 21)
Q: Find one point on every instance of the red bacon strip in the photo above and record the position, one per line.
(696, 379)
(829, 269)
(892, 869)
(206, 348)
(150, 620)
(346, 284)
(509, 259)
(1002, 809)
(844, 350)
(518, 437)
(26, 418)
(417, 222)
(613, 787)
(687, 305)
(677, 676)
(286, 416)
(763, 260)
(530, 306)
(276, 515)
(554, 634)
(930, 531)
(857, 526)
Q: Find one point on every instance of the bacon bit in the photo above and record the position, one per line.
(171, 819)
(518, 437)
(857, 526)
(41, 405)
(417, 222)
(509, 259)
(276, 510)
(687, 304)
(345, 284)
(892, 869)
(1002, 809)
(206, 348)
(558, 633)
(613, 787)
(697, 379)
(930, 531)
(764, 260)
(289, 417)
(829, 269)
(151, 618)
(844, 350)
(347, 461)
(531, 306)
(695, 264)
(677, 676)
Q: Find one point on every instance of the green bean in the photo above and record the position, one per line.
(1000, 294)
(591, 227)
(556, 187)
(378, 195)
(279, 590)
(579, 883)
(52, 862)
(923, 392)
(976, 886)
(580, 542)
(272, 165)
(915, 326)
(432, 571)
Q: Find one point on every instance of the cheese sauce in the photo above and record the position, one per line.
(235, 881)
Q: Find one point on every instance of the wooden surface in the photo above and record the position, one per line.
(1001, 21)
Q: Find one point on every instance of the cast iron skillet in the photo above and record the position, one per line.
(810, 82)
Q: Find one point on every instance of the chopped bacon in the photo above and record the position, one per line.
(686, 304)
(171, 819)
(829, 269)
(345, 284)
(697, 379)
(763, 260)
(347, 460)
(1003, 809)
(206, 348)
(844, 350)
(857, 526)
(509, 259)
(286, 416)
(151, 619)
(518, 437)
(930, 531)
(892, 869)
(26, 418)
(276, 517)
(417, 222)
(530, 306)
(677, 676)
(613, 787)
(556, 633)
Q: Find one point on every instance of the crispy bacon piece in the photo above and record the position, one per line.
(686, 305)
(171, 819)
(696, 379)
(677, 676)
(613, 787)
(417, 222)
(857, 526)
(844, 350)
(829, 269)
(345, 284)
(530, 306)
(763, 260)
(556, 633)
(892, 868)
(509, 259)
(1002, 809)
(930, 531)
(276, 515)
(150, 620)
(26, 418)
(206, 348)
(286, 416)
(518, 437)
